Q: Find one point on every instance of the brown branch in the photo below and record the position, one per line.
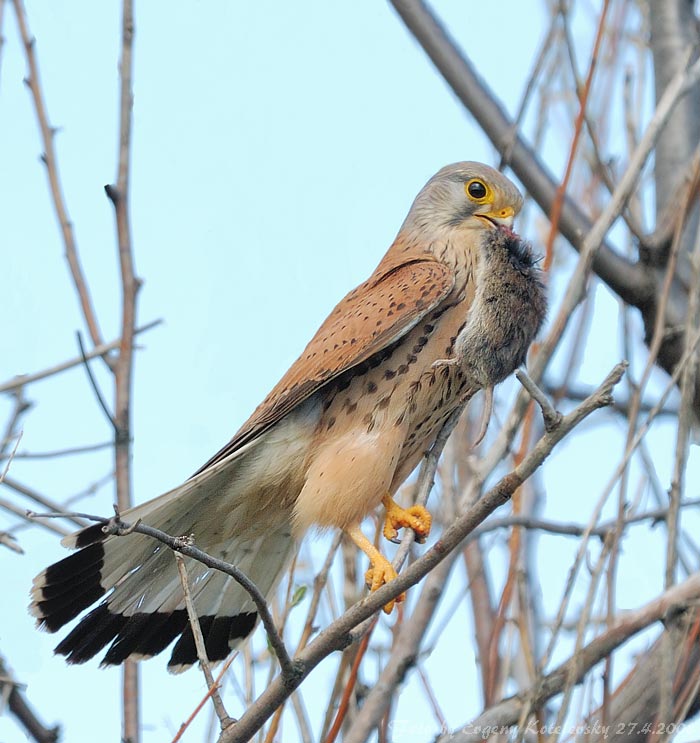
(404, 654)
(572, 530)
(200, 645)
(95, 387)
(51, 163)
(349, 686)
(118, 194)
(40, 499)
(343, 631)
(183, 727)
(22, 710)
(557, 205)
(102, 350)
(68, 451)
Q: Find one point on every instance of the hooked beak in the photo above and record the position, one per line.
(499, 218)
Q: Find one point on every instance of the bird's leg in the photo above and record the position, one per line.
(416, 517)
(381, 571)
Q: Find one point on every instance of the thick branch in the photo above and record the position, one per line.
(340, 633)
(623, 277)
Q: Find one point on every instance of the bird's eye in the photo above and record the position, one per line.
(477, 190)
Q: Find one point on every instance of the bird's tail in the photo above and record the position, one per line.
(144, 608)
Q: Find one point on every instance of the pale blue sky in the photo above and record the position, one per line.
(277, 148)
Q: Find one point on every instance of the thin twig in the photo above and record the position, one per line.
(11, 456)
(557, 205)
(22, 710)
(42, 500)
(350, 685)
(584, 618)
(10, 541)
(12, 431)
(101, 350)
(49, 159)
(203, 701)
(573, 530)
(95, 387)
(200, 645)
(551, 416)
(29, 517)
(55, 453)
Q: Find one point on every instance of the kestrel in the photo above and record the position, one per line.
(450, 309)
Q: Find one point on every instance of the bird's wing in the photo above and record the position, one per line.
(368, 320)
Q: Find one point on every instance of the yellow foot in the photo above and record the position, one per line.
(417, 518)
(381, 571)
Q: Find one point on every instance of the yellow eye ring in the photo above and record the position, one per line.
(478, 191)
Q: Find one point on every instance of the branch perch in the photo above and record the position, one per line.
(340, 634)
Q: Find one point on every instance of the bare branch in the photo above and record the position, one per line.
(10, 541)
(507, 713)
(123, 367)
(68, 451)
(40, 499)
(404, 654)
(26, 379)
(573, 530)
(200, 645)
(95, 386)
(49, 159)
(21, 709)
(551, 416)
(340, 633)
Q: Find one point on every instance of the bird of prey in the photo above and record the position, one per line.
(451, 309)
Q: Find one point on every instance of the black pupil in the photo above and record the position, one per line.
(477, 190)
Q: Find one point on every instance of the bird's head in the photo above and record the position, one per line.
(466, 195)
